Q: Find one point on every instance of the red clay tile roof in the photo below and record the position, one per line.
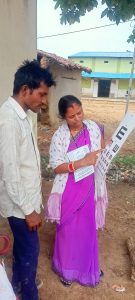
(67, 63)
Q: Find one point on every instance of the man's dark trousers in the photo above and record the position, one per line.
(25, 255)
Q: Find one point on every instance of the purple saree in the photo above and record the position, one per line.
(75, 255)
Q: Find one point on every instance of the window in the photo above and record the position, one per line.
(105, 61)
(81, 61)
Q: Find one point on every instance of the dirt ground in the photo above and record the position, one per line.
(120, 222)
(109, 113)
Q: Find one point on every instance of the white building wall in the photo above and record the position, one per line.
(122, 93)
(115, 92)
(95, 88)
(17, 39)
(67, 83)
(113, 89)
(88, 91)
(133, 94)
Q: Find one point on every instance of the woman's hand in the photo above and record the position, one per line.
(88, 160)
(91, 158)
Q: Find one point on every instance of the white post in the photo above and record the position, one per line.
(130, 82)
(17, 40)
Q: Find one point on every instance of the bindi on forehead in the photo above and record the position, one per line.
(74, 107)
(73, 110)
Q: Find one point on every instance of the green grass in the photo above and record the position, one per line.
(125, 161)
(46, 170)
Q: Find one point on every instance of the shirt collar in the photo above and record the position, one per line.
(17, 107)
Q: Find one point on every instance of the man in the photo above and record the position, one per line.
(20, 180)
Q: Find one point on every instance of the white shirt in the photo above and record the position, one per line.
(20, 180)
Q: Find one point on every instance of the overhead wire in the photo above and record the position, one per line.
(81, 30)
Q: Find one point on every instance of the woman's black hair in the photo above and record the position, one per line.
(65, 102)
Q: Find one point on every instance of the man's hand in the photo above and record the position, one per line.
(33, 221)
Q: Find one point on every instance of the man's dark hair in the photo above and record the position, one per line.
(65, 102)
(31, 74)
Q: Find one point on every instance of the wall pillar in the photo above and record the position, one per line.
(18, 39)
(95, 88)
(112, 89)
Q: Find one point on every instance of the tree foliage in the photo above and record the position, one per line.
(115, 10)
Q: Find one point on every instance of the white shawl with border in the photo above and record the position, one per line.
(58, 150)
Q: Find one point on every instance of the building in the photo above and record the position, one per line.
(67, 75)
(110, 73)
(18, 33)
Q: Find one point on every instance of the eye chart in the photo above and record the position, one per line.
(118, 139)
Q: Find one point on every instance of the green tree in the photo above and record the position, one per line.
(115, 10)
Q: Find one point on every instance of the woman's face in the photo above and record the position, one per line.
(74, 116)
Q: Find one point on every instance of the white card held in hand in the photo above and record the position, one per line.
(76, 155)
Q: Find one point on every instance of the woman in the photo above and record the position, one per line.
(71, 203)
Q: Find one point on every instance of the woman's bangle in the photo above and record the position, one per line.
(71, 167)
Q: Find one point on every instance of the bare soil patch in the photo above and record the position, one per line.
(110, 114)
(120, 222)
